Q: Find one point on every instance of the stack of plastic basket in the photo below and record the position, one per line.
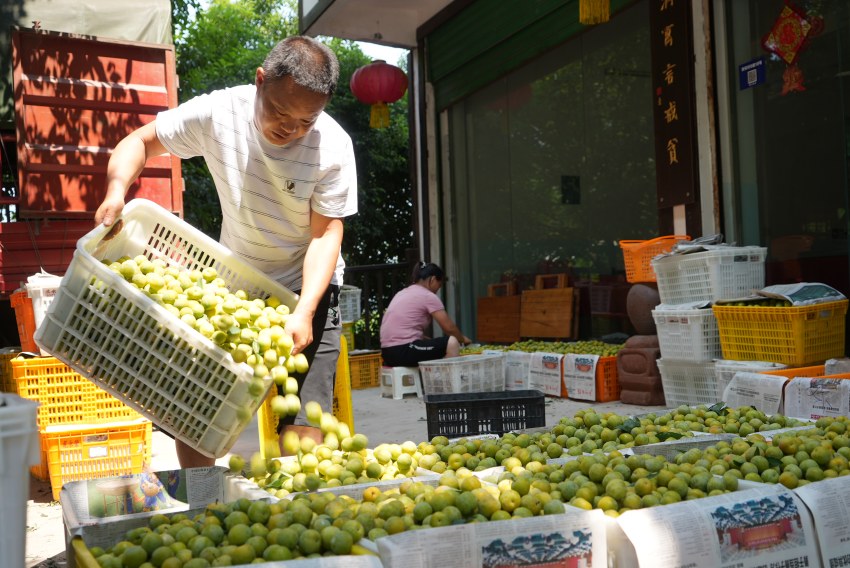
(18, 449)
(83, 431)
(689, 343)
(687, 329)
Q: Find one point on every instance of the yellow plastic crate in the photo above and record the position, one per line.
(796, 336)
(267, 420)
(7, 384)
(65, 396)
(91, 452)
(365, 370)
(348, 334)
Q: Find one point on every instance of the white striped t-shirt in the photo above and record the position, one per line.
(266, 191)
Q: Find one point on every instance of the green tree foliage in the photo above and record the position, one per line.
(222, 45)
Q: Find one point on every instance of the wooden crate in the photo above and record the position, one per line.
(546, 281)
(498, 319)
(548, 313)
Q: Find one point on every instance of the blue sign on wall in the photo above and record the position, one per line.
(751, 73)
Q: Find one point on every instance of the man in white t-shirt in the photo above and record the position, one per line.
(285, 176)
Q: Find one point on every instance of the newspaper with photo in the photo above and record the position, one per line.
(761, 526)
(576, 537)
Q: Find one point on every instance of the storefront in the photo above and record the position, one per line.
(543, 142)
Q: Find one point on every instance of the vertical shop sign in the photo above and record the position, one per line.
(673, 107)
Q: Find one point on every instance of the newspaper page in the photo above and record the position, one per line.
(580, 376)
(545, 373)
(803, 293)
(761, 527)
(829, 503)
(760, 391)
(811, 398)
(517, 364)
(575, 538)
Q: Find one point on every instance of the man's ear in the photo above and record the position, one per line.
(259, 77)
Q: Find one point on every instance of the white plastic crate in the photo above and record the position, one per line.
(687, 334)
(715, 274)
(467, 373)
(113, 334)
(19, 449)
(688, 383)
(349, 303)
(725, 370)
(41, 288)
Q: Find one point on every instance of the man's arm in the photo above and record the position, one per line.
(125, 164)
(319, 266)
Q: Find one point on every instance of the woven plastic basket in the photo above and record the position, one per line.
(637, 255)
(129, 345)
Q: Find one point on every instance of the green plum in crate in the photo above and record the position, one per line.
(128, 344)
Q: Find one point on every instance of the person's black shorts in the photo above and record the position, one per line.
(318, 382)
(410, 354)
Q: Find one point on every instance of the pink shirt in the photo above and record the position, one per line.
(408, 314)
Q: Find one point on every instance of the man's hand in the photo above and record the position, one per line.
(300, 327)
(109, 210)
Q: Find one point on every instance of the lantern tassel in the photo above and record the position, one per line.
(380, 116)
(592, 12)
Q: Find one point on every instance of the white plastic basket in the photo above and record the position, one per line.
(19, 449)
(113, 334)
(715, 274)
(349, 303)
(41, 288)
(688, 383)
(725, 370)
(688, 334)
(467, 373)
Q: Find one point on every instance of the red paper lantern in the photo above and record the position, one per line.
(378, 84)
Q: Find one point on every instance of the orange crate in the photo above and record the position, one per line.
(607, 382)
(7, 384)
(25, 316)
(637, 255)
(365, 370)
(78, 452)
(791, 372)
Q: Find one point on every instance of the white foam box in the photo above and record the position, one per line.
(574, 538)
(129, 345)
(100, 511)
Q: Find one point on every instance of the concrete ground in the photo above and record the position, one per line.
(380, 419)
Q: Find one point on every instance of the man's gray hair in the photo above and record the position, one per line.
(309, 62)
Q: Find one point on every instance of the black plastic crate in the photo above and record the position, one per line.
(467, 414)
